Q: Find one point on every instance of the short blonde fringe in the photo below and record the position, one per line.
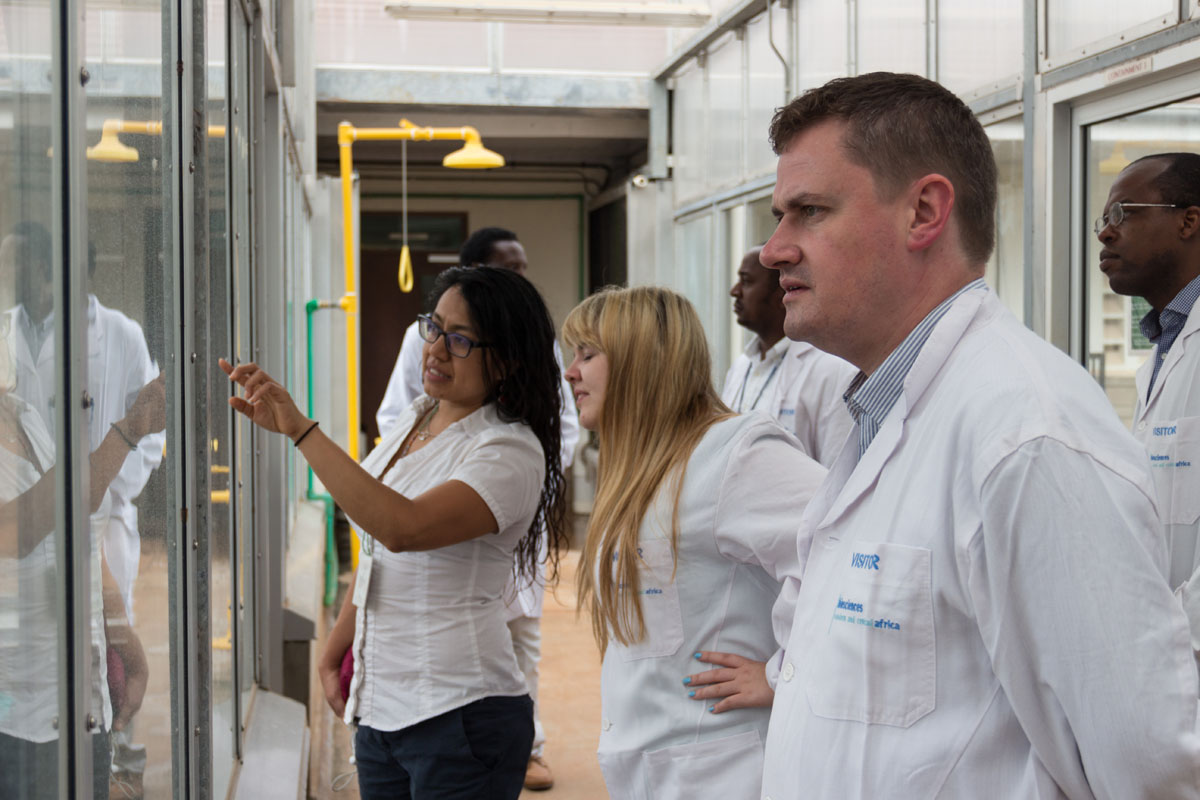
(658, 403)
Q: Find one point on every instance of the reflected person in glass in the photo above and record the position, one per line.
(29, 721)
(459, 486)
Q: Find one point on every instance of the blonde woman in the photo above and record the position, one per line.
(693, 529)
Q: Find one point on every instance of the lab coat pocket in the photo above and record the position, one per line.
(729, 768)
(877, 662)
(1178, 479)
(659, 596)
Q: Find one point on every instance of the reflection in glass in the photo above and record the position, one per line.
(1006, 268)
(1114, 342)
(129, 340)
(29, 663)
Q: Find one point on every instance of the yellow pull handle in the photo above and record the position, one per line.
(406, 274)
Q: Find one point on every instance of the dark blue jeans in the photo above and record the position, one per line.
(29, 771)
(477, 752)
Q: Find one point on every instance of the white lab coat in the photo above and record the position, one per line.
(743, 491)
(984, 612)
(1168, 426)
(119, 365)
(805, 397)
(405, 386)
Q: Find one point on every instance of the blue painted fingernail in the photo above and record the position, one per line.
(710, 708)
(696, 656)
(687, 680)
(692, 693)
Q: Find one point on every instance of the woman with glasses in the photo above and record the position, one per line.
(692, 530)
(467, 476)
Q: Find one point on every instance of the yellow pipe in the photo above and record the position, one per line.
(345, 141)
(115, 126)
(479, 157)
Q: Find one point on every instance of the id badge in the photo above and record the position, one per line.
(362, 579)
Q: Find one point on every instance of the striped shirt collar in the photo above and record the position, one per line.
(870, 399)
(1164, 327)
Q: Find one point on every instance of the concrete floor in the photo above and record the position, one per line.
(570, 706)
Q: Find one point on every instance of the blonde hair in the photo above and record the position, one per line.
(658, 403)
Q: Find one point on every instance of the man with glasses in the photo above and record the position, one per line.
(491, 247)
(1150, 231)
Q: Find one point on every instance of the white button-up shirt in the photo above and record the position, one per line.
(985, 612)
(431, 636)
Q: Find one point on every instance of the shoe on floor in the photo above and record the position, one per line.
(538, 775)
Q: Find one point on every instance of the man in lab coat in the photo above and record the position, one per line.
(1150, 229)
(794, 383)
(984, 610)
(495, 247)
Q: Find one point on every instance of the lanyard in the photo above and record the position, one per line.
(766, 383)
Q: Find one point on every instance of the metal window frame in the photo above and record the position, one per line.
(1047, 62)
(72, 553)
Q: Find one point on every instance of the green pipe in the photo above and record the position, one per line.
(331, 558)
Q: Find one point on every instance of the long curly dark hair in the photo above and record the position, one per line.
(510, 316)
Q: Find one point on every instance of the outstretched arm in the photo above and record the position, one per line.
(449, 513)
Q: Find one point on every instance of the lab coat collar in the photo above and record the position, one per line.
(850, 477)
(1176, 354)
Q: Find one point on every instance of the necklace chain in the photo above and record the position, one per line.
(422, 434)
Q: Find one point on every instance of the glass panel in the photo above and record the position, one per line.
(822, 36)
(360, 32)
(891, 36)
(1115, 346)
(29, 667)
(689, 125)
(1006, 267)
(594, 48)
(694, 274)
(725, 115)
(217, 414)
(733, 228)
(1071, 24)
(131, 278)
(765, 91)
(979, 42)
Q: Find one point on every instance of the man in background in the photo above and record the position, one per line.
(794, 383)
(1150, 230)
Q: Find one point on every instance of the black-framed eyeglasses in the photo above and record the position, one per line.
(456, 344)
(1116, 213)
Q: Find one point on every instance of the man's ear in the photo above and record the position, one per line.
(1189, 227)
(931, 200)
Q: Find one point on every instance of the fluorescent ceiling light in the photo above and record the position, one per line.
(591, 12)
